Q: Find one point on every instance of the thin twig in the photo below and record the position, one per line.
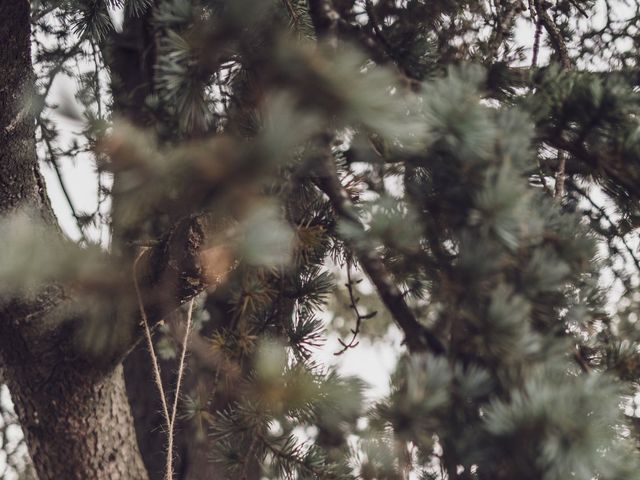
(152, 353)
(170, 418)
(537, 35)
(578, 7)
(359, 316)
(536, 44)
(292, 11)
(60, 177)
(174, 410)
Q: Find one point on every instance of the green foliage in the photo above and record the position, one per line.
(403, 139)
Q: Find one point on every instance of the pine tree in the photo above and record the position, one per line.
(464, 172)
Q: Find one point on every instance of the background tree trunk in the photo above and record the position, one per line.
(132, 60)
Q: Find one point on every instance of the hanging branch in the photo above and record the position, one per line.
(176, 397)
(169, 416)
(149, 339)
(359, 316)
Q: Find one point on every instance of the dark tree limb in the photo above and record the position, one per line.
(557, 41)
(505, 21)
(417, 337)
(327, 22)
(612, 165)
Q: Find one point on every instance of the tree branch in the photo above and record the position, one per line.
(21, 184)
(417, 337)
(505, 20)
(327, 22)
(555, 36)
(613, 167)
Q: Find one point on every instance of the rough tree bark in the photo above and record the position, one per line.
(75, 418)
(73, 408)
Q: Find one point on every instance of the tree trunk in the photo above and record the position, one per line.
(75, 417)
(78, 428)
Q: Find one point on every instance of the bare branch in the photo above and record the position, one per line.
(353, 342)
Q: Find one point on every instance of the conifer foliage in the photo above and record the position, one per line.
(466, 173)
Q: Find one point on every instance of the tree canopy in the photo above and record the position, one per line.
(270, 172)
